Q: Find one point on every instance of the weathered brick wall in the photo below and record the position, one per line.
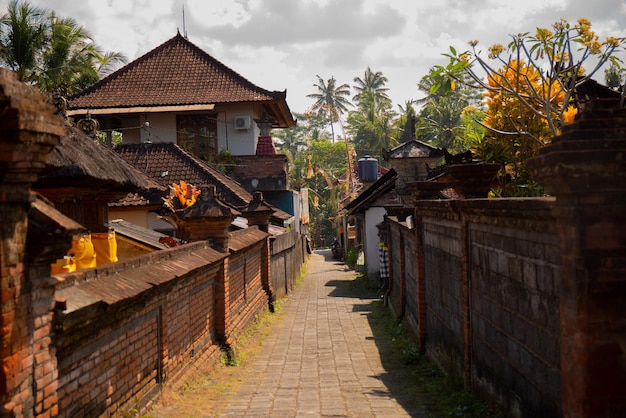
(410, 276)
(491, 285)
(515, 321)
(288, 254)
(396, 278)
(443, 286)
(247, 298)
(132, 325)
(28, 131)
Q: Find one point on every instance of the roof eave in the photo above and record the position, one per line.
(140, 109)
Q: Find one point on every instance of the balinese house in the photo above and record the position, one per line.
(368, 210)
(165, 164)
(179, 94)
(80, 178)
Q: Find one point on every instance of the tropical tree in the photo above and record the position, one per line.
(51, 52)
(614, 77)
(322, 164)
(372, 124)
(529, 89)
(440, 120)
(330, 100)
(372, 88)
(23, 35)
(557, 55)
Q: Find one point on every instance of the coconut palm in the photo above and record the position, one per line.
(330, 100)
(23, 35)
(51, 52)
(372, 86)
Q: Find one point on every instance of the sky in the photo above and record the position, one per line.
(286, 44)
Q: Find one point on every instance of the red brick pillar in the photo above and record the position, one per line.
(223, 322)
(266, 279)
(28, 131)
(585, 168)
(418, 227)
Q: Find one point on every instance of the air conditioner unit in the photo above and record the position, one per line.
(242, 122)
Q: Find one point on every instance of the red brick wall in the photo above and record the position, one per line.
(147, 320)
(28, 131)
(247, 297)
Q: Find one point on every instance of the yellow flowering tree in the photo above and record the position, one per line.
(528, 86)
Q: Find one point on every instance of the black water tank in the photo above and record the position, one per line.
(368, 169)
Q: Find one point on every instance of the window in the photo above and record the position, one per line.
(197, 134)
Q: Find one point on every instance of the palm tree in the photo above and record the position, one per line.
(372, 86)
(440, 121)
(51, 52)
(330, 100)
(23, 34)
(371, 124)
(72, 61)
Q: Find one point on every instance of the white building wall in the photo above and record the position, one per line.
(162, 128)
(237, 141)
(373, 216)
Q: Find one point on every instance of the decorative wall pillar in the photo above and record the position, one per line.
(207, 219)
(28, 131)
(258, 212)
(585, 169)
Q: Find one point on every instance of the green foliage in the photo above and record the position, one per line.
(614, 76)
(331, 101)
(441, 120)
(529, 84)
(351, 257)
(52, 52)
(372, 125)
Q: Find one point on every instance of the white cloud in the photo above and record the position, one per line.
(284, 44)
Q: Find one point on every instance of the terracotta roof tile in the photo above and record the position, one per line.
(175, 73)
(167, 163)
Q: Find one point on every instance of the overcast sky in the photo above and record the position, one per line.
(284, 44)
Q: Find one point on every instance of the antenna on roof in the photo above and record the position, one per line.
(184, 27)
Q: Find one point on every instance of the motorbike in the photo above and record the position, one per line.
(336, 251)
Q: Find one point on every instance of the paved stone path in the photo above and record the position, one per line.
(321, 359)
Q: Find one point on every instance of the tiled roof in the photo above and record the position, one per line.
(412, 149)
(139, 234)
(175, 73)
(167, 163)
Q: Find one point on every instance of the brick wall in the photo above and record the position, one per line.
(132, 325)
(28, 131)
(489, 304)
(288, 254)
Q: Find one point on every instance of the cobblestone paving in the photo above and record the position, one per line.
(321, 359)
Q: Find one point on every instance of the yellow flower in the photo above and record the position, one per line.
(570, 114)
(495, 50)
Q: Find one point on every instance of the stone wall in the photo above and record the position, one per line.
(489, 308)
(288, 255)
